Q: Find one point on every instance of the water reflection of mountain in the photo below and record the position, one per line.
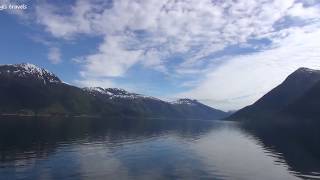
(298, 145)
(34, 137)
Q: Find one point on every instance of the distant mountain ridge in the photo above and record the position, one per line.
(28, 89)
(185, 105)
(181, 108)
(285, 99)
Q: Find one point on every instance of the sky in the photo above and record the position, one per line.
(224, 53)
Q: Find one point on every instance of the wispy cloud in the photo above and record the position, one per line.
(95, 83)
(111, 60)
(54, 55)
(191, 38)
(132, 29)
(241, 80)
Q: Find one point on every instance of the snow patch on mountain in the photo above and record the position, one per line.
(27, 70)
(112, 93)
(185, 101)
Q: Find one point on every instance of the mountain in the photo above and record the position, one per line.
(193, 109)
(307, 106)
(150, 106)
(115, 93)
(28, 72)
(287, 118)
(132, 103)
(28, 89)
(294, 87)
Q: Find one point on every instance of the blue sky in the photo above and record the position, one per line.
(226, 54)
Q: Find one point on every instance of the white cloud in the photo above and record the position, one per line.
(150, 33)
(241, 80)
(77, 21)
(54, 55)
(112, 59)
(164, 26)
(104, 83)
(298, 10)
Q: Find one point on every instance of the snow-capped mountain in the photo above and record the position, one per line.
(112, 93)
(186, 101)
(28, 89)
(27, 71)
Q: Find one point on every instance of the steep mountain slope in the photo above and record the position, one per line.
(307, 106)
(287, 118)
(28, 89)
(294, 86)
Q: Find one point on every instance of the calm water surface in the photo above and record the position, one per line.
(141, 149)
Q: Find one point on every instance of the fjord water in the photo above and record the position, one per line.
(84, 148)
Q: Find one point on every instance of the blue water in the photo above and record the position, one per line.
(137, 149)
